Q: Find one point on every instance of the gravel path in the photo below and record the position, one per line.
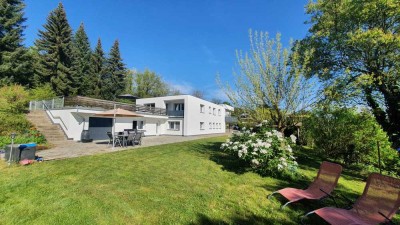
(72, 149)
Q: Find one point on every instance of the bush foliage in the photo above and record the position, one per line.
(28, 136)
(264, 149)
(350, 136)
(13, 99)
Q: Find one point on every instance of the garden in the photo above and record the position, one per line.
(184, 183)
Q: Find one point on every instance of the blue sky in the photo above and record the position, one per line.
(187, 42)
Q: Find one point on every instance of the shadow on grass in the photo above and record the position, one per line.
(248, 220)
(228, 162)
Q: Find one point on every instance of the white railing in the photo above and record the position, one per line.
(55, 103)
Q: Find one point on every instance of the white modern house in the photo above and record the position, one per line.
(183, 115)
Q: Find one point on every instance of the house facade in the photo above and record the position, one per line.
(188, 115)
(182, 115)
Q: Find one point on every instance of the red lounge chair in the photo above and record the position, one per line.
(321, 187)
(378, 204)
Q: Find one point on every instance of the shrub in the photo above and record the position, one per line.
(10, 122)
(42, 93)
(264, 149)
(350, 136)
(13, 99)
(31, 135)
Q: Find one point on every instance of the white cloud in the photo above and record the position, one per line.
(183, 87)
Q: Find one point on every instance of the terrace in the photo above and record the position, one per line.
(93, 103)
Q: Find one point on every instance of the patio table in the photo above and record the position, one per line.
(124, 138)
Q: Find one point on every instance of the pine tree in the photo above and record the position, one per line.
(115, 73)
(81, 64)
(55, 48)
(97, 71)
(15, 62)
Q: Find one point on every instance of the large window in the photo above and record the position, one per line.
(210, 125)
(201, 125)
(209, 109)
(179, 106)
(214, 111)
(140, 125)
(219, 112)
(174, 125)
(202, 108)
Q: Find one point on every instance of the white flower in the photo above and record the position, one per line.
(280, 167)
(289, 149)
(293, 138)
(255, 162)
(267, 145)
(269, 134)
(235, 147)
(243, 128)
(263, 151)
(252, 134)
(240, 154)
(244, 151)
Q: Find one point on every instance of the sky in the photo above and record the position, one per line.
(187, 42)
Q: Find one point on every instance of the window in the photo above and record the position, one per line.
(213, 125)
(209, 125)
(179, 107)
(202, 108)
(214, 111)
(150, 105)
(166, 106)
(201, 125)
(174, 125)
(138, 125)
(219, 112)
(209, 109)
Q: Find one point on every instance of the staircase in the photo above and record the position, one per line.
(52, 132)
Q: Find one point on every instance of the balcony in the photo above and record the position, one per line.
(173, 113)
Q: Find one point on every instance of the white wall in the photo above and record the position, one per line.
(74, 123)
(193, 116)
(192, 112)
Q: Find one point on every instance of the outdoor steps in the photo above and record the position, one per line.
(52, 132)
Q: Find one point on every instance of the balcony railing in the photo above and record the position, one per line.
(173, 113)
(97, 103)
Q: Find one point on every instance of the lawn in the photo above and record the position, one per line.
(183, 183)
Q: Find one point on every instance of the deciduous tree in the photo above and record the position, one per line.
(355, 50)
(149, 84)
(269, 84)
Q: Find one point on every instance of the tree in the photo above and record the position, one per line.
(217, 101)
(55, 49)
(270, 85)
(355, 50)
(81, 64)
(113, 83)
(198, 93)
(149, 84)
(15, 62)
(97, 71)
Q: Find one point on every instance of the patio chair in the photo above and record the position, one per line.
(138, 139)
(378, 204)
(130, 138)
(116, 139)
(320, 188)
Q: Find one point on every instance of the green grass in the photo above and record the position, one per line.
(183, 183)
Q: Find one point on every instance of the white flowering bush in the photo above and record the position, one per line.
(266, 150)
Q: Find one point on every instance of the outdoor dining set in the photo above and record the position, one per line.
(125, 138)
